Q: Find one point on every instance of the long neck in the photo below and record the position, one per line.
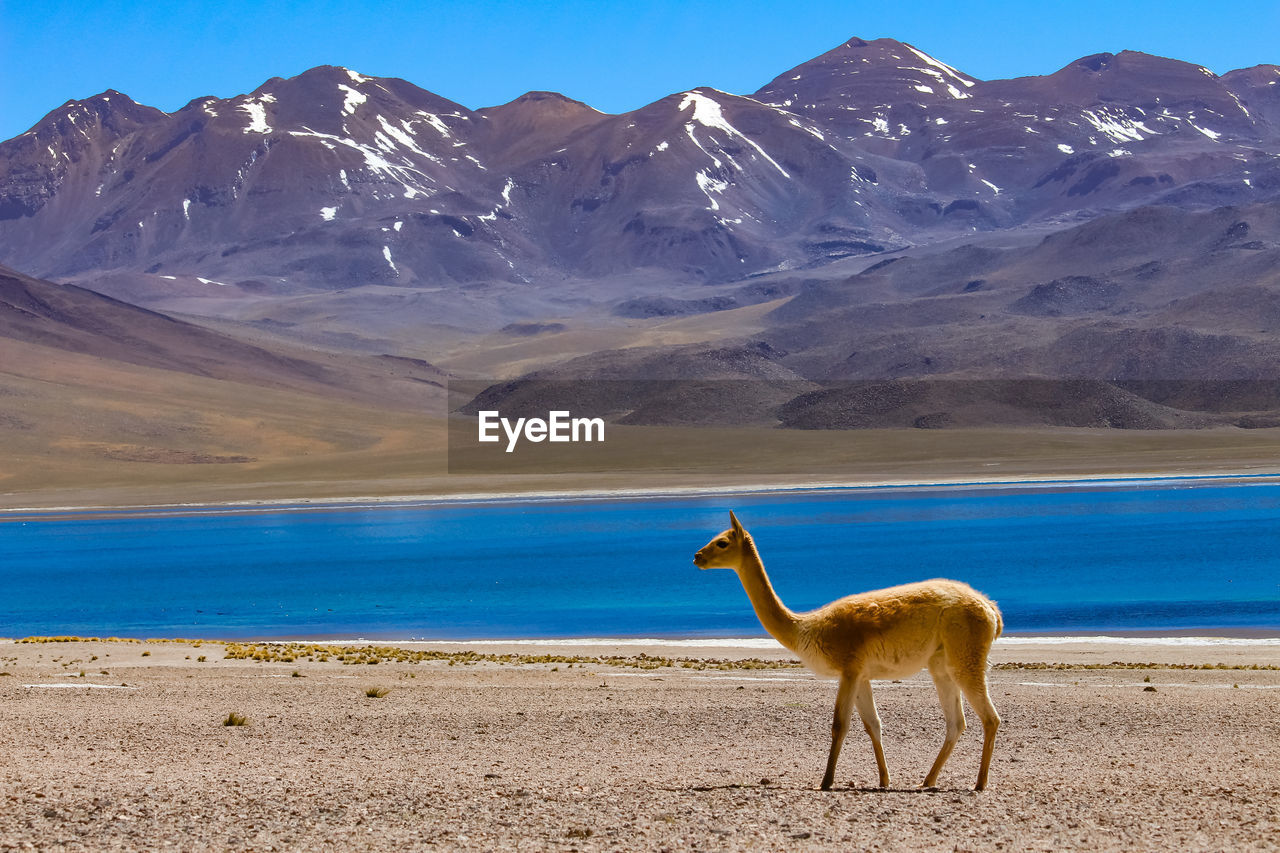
(773, 614)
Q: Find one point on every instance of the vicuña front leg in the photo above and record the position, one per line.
(866, 705)
(839, 728)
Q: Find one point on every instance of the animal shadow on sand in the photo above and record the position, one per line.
(851, 787)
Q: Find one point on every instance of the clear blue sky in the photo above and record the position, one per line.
(616, 56)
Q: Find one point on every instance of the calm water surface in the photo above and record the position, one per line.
(1153, 556)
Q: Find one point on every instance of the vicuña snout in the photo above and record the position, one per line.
(944, 625)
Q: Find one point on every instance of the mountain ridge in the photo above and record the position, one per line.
(886, 148)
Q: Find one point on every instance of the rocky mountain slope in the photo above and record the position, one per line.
(99, 394)
(1154, 318)
(43, 319)
(333, 180)
(873, 238)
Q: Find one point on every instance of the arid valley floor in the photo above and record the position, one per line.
(464, 751)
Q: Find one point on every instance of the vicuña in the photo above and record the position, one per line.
(944, 625)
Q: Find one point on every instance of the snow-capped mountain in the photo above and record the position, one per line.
(331, 179)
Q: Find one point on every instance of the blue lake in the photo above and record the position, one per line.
(1155, 556)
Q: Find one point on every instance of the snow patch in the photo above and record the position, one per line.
(257, 117)
(812, 131)
(948, 71)
(1065, 148)
(1212, 134)
(707, 113)
(710, 185)
(328, 213)
(995, 189)
(375, 162)
(1239, 104)
(928, 90)
(386, 253)
(186, 209)
(211, 281)
(662, 146)
(398, 225)
(436, 122)
(403, 137)
(357, 78)
(1117, 128)
(352, 100)
(506, 191)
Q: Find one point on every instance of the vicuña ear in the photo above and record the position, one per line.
(737, 526)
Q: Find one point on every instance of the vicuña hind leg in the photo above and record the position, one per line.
(839, 728)
(974, 686)
(952, 711)
(866, 705)
(968, 634)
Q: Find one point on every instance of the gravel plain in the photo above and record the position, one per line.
(464, 752)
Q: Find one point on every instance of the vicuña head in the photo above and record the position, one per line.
(725, 551)
(944, 625)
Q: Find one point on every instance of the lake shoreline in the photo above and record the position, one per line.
(1082, 650)
(1117, 480)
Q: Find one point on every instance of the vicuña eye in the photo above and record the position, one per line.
(722, 544)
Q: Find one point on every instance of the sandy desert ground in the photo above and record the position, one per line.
(465, 752)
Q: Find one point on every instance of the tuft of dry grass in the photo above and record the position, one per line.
(376, 692)
(372, 655)
(234, 719)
